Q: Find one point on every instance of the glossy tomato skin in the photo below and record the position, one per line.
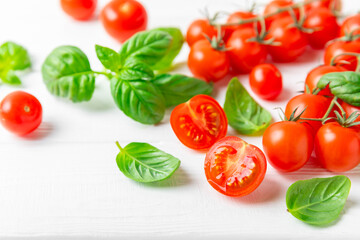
(274, 6)
(20, 113)
(197, 31)
(79, 9)
(236, 17)
(350, 25)
(337, 148)
(339, 47)
(314, 76)
(288, 145)
(323, 21)
(266, 81)
(123, 18)
(292, 41)
(329, 4)
(316, 107)
(349, 109)
(199, 122)
(207, 63)
(233, 167)
(244, 55)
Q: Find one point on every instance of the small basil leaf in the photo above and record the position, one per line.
(14, 57)
(344, 85)
(67, 73)
(243, 113)
(148, 47)
(138, 99)
(318, 201)
(175, 47)
(9, 77)
(178, 88)
(135, 70)
(108, 58)
(143, 162)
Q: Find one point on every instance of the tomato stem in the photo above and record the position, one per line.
(357, 55)
(328, 111)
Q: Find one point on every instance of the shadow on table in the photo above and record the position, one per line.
(178, 179)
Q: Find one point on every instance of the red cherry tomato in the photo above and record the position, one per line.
(349, 109)
(233, 167)
(314, 76)
(325, 27)
(123, 18)
(236, 17)
(207, 63)
(244, 55)
(20, 112)
(292, 41)
(329, 4)
(266, 81)
(351, 25)
(339, 47)
(288, 145)
(274, 6)
(199, 122)
(79, 9)
(337, 148)
(316, 107)
(197, 31)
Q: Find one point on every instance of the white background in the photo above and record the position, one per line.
(62, 180)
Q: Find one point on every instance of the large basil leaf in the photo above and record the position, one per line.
(134, 70)
(148, 47)
(344, 85)
(67, 73)
(139, 99)
(178, 88)
(319, 200)
(108, 57)
(175, 47)
(143, 162)
(243, 113)
(13, 57)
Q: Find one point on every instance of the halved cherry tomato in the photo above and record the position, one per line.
(236, 17)
(337, 148)
(329, 4)
(79, 9)
(197, 31)
(199, 122)
(351, 25)
(233, 167)
(346, 61)
(288, 145)
(349, 109)
(274, 6)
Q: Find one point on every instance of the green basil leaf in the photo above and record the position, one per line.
(175, 47)
(109, 58)
(243, 113)
(344, 85)
(67, 73)
(138, 99)
(10, 77)
(178, 88)
(143, 162)
(135, 70)
(318, 201)
(148, 47)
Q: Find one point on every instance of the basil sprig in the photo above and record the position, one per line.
(318, 201)
(136, 90)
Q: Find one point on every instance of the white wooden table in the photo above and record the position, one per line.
(62, 181)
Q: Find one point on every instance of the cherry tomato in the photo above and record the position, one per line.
(351, 25)
(329, 4)
(288, 145)
(244, 55)
(207, 63)
(197, 31)
(199, 122)
(292, 41)
(233, 167)
(314, 76)
(349, 109)
(123, 18)
(316, 107)
(274, 6)
(236, 17)
(337, 148)
(338, 47)
(20, 112)
(266, 81)
(325, 27)
(79, 9)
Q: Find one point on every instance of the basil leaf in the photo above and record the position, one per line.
(135, 70)
(178, 88)
(67, 73)
(138, 99)
(243, 113)
(174, 49)
(10, 77)
(344, 85)
(319, 200)
(108, 58)
(148, 47)
(143, 162)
